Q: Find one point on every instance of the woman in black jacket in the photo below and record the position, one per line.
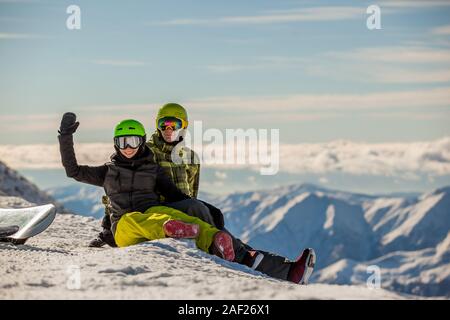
(132, 181)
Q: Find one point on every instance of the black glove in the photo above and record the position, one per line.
(69, 124)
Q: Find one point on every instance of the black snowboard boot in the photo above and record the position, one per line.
(104, 237)
(97, 242)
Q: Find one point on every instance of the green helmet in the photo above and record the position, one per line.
(173, 110)
(129, 127)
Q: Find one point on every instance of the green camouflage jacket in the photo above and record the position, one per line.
(185, 176)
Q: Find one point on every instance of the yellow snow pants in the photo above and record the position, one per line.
(137, 227)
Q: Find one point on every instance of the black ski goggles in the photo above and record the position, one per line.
(132, 142)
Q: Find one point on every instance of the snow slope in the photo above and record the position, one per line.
(48, 265)
(15, 185)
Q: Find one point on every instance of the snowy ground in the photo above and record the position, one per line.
(48, 265)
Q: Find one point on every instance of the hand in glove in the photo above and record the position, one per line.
(69, 124)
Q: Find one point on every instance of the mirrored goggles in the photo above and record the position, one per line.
(133, 142)
(171, 122)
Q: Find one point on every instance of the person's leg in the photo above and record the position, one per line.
(198, 209)
(240, 248)
(274, 265)
(193, 208)
(99, 241)
(105, 236)
(207, 231)
(137, 227)
(271, 264)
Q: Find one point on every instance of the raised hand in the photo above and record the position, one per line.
(69, 124)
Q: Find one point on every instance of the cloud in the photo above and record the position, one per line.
(31, 156)
(396, 54)
(285, 16)
(278, 109)
(220, 175)
(119, 63)
(413, 76)
(443, 30)
(413, 4)
(259, 63)
(252, 179)
(394, 64)
(17, 36)
(319, 102)
(405, 160)
(389, 64)
(388, 159)
(20, 1)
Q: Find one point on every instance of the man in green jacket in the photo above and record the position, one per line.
(171, 122)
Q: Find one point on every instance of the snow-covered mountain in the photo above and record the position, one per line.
(81, 199)
(402, 234)
(422, 272)
(13, 184)
(407, 237)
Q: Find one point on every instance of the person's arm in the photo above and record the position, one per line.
(167, 188)
(87, 174)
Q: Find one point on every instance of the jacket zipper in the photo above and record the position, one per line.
(132, 189)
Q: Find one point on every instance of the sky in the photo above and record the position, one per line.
(311, 69)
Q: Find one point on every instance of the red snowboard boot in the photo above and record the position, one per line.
(223, 246)
(302, 269)
(180, 229)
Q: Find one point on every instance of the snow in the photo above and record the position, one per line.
(330, 217)
(48, 265)
(270, 221)
(425, 272)
(345, 229)
(414, 217)
(341, 226)
(377, 209)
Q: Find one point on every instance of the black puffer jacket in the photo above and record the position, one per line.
(131, 184)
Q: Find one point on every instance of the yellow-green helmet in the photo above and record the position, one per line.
(129, 127)
(173, 110)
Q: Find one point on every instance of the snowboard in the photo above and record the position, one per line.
(26, 222)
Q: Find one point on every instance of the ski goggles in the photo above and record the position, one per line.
(124, 142)
(172, 122)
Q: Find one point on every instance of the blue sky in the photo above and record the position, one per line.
(310, 68)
